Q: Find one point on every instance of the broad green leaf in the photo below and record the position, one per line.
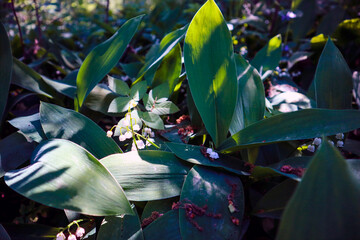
(100, 99)
(165, 227)
(273, 203)
(213, 189)
(14, 151)
(152, 120)
(211, 71)
(103, 58)
(147, 175)
(64, 175)
(59, 122)
(268, 57)
(30, 126)
(121, 228)
(5, 68)
(192, 154)
(131, 69)
(302, 25)
(27, 78)
(325, 204)
(118, 86)
(164, 108)
(333, 79)
(250, 104)
(169, 69)
(138, 90)
(166, 45)
(304, 124)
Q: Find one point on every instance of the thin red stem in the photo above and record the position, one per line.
(18, 25)
(38, 22)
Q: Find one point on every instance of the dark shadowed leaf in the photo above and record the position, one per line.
(5, 68)
(64, 175)
(27, 78)
(273, 203)
(165, 227)
(213, 189)
(14, 151)
(333, 79)
(211, 71)
(325, 204)
(192, 154)
(121, 228)
(161, 206)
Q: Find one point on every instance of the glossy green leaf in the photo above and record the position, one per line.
(103, 58)
(211, 71)
(147, 175)
(192, 154)
(59, 122)
(64, 175)
(304, 124)
(30, 126)
(212, 188)
(121, 228)
(152, 120)
(250, 104)
(5, 68)
(333, 79)
(100, 99)
(169, 69)
(268, 57)
(325, 204)
(27, 78)
(14, 151)
(166, 45)
(165, 227)
(118, 86)
(273, 203)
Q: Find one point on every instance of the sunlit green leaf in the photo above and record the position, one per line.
(210, 68)
(59, 122)
(268, 57)
(64, 175)
(250, 104)
(147, 175)
(102, 59)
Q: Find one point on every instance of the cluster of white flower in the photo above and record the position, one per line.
(79, 233)
(317, 141)
(132, 129)
(212, 154)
